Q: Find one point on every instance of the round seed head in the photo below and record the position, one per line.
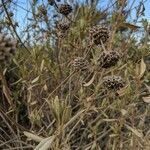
(108, 59)
(99, 34)
(63, 26)
(80, 64)
(65, 9)
(7, 48)
(113, 82)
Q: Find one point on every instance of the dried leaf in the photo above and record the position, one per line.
(140, 10)
(33, 136)
(135, 131)
(7, 94)
(142, 68)
(45, 87)
(35, 80)
(109, 120)
(124, 112)
(45, 144)
(113, 135)
(148, 87)
(129, 25)
(122, 91)
(146, 99)
(42, 65)
(91, 81)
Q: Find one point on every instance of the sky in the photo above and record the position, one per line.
(22, 6)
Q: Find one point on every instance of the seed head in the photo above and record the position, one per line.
(65, 9)
(7, 48)
(80, 64)
(113, 82)
(98, 34)
(63, 26)
(108, 59)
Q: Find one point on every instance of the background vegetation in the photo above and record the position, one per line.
(50, 99)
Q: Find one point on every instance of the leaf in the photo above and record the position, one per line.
(148, 87)
(45, 87)
(109, 120)
(33, 136)
(129, 25)
(113, 135)
(146, 99)
(42, 65)
(7, 94)
(142, 68)
(140, 10)
(135, 131)
(124, 112)
(122, 91)
(35, 80)
(45, 144)
(91, 81)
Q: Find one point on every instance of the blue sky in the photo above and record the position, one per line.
(23, 5)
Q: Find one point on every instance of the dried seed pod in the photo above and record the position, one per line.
(63, 26)
(80, 64)
(65, 9)
(98, 34)
(7, 48)
(113, 82)
(108, 59)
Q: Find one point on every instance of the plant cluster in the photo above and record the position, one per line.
(77, 78)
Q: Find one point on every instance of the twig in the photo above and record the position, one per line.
(13, 27)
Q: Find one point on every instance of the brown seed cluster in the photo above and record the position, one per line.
(63, 26)
(62, 29)
(65, 9)
(98, 34)
(108, 59)
(80, 63)
(7, 48)
(113, 82)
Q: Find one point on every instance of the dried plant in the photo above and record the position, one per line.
(78, 78)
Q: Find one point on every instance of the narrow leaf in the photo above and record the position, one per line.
(7, 94)
(142, 68)
(129, 25)
(122, 91)
(135, 131)
(146, 99)
(45, 144)
(42, 65)
(35, 80)
(33, 136)
(91, 81)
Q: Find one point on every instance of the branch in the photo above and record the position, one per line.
(13, 27)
